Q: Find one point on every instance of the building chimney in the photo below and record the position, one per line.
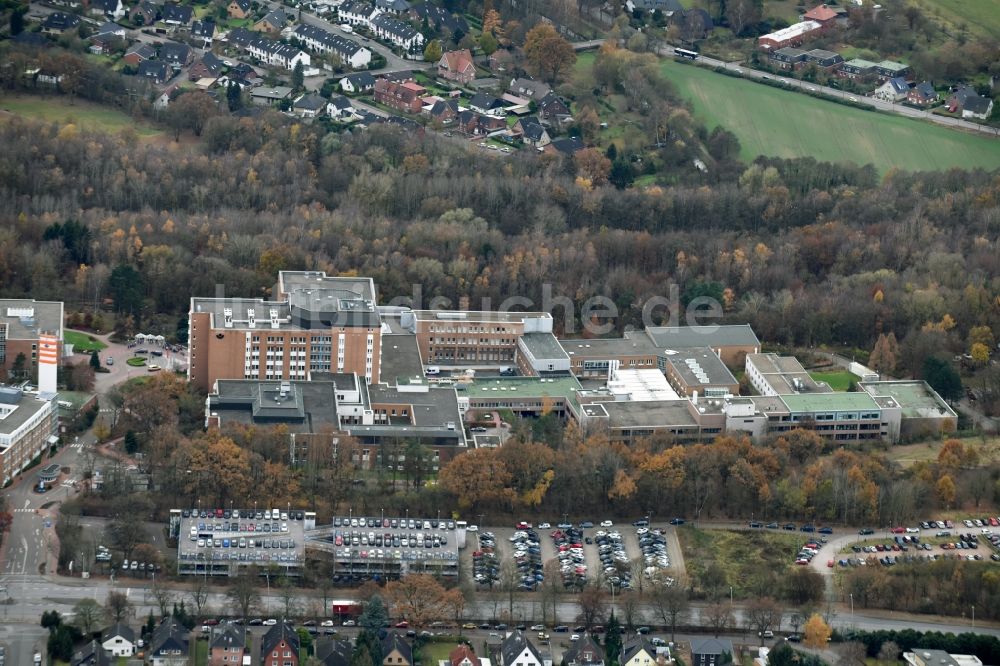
(48, 362)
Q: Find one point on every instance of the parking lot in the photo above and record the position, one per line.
(625, 550)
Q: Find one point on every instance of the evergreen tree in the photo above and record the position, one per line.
(613, 640)
(375, 616)
(298, 76)
(234, 96)
(943, 378)
(95, 360)
(17, 20)
(131, 446)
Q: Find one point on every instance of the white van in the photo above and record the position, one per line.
(346, 28)
(432, 370)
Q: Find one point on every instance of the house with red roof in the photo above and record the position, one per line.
(463, 655)
(457, 66)
(403, 97)
(821, 14)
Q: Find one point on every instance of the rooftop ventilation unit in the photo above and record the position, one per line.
(227, 313)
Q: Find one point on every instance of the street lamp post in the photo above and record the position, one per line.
(730, 596)
(973, 617)
(852, 606)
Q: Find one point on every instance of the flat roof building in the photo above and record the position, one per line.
(700, 372)
(539, 353)
(472, 338)
(25, 325)
(28, 426)
(770, 374)
(216, 546)
(315, 323)
(923, 413)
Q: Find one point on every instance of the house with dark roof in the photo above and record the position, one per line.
(204, 30)
(667, 7)
(92, 654)
(156, 71)
(112, 9)
(457, 66)
(332, 652)
(529, 88)
(273, 22)
(552, 109)
(228, 646)
(959, 96)
(476, 124)
(977, 107)
(239, 9)
(357, 83)
(922, 94)
(169, 644)
(243, 74)
(341, 108)
(516, 650)
(209, 67)
(711, 651)
(119, 640)
(444, 111)
(397, 32)
(439, 18)
(143, 13)
(567, 145)
(176, 14)
(280, 645)
(57, 23)
(823, 59)
(138, 53)
(109, 29)
(638, 652)
(893, 90)
(177, 55)
(396, 651)
(532, 132)
(788, 57)
(393, 6)
(357, 13)
(486, 104)
(584, 652)
(309, 106)
(323, 41)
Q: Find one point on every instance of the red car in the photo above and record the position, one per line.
(523, 525)
(403, 625)
(994, 522)
(899, 530)
(829, 563)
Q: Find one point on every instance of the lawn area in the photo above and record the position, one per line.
(82, 342)
(837, 380)
(905, 455)
(780, 123)
(432, 653)
(200, 653)
(81, 112)
(741, 555)
(978, 16)
(136, 361)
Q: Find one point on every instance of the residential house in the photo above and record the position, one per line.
(584, 652)
(693, 23)
(357, 83)
(476, 124)
(239, 9)
(322, 41)
(209, 67)
(532, 132)
(857, 68)
(112, 9)
(400, 96)
(889, 69)
(638, 652)
(500, 61)
(177, 14)
(439, 18)
(143, 13)
(396, 7)
(203, 30)
(567, 145)
(277, 54)
(175, 54)
(516, 650)
(457, 66)
(822, 15)
(397, 32)
(169, 94)
(977, 107)
(109, 30)
(823, 59)
(444, 111)
(100, 45)
(333, 652)
(264, 96)
(155, 71)
(92, 654)
(396, 651)
(793, 35)
(407, 124)
(169, 644)
(400, 77)
(119, 640)
(667, 7)
(552, 109)
(922, 94)
(529, 88)
(72, 4)
(244, 74)
(280, 646)
(463, 655)
(711, 651)
(273, 22)
(893, 90)
(787, 58)
(961, 93)
(486, 104)
(139, 53)
(309, 105)
(357, 13)
(57, 23)
(241, 38)
(228, 646)
(341, 108)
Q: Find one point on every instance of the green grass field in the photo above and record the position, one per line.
(780, 123)
(80, 112)
(82, 342)
(136, 361)
(742, 555)
(977, 16)
(838, 381)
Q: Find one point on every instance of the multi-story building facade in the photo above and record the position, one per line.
(28, 426)
(314, 323)
(25, 327)
(459, 337)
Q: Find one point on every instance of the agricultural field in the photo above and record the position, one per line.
(837, 380)
(83, 343)
(741, 555)
(80, 112)
(980, 16)
(773, 122)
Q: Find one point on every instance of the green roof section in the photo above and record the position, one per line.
(861, 63)
(893, 65)
(563, 386)
(829, 402)
(916, 399)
